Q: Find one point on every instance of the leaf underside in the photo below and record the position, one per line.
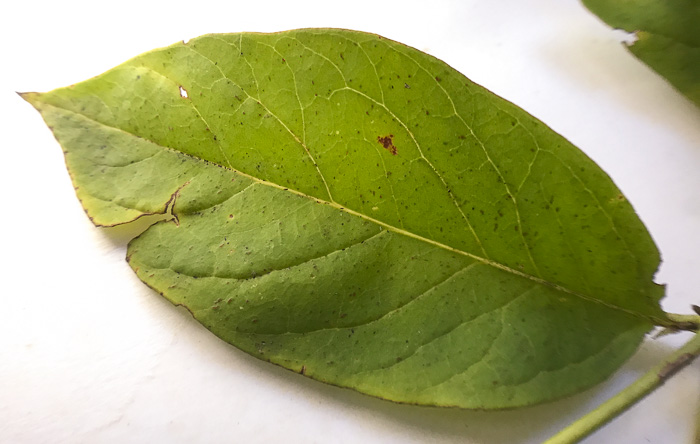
(357, 211)
(668, 33)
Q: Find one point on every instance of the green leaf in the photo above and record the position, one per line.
(668, 36)
(357, 211)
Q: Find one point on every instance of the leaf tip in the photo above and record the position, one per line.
(31, 97)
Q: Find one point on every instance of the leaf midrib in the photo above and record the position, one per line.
(380, 223)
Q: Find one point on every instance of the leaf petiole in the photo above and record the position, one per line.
(650, 381)
(684, 322)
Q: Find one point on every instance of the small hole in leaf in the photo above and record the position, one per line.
(627, 38)
(183, 92)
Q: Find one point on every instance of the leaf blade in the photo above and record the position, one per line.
(412, 196)
(668, 37)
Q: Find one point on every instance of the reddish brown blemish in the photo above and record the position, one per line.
(388, 143)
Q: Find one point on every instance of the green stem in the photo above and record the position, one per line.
(629, 396)
(684, 322)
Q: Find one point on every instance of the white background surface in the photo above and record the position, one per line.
(88, 354)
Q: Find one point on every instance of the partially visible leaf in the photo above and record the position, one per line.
(668, 33)
(357, 211)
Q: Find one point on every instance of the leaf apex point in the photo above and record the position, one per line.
(29, 96)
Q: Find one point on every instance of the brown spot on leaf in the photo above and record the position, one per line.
(388, 143)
